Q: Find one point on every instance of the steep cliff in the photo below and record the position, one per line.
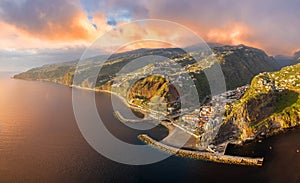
(271, 105)
(155, 93)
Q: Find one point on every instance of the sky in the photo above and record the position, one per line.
(34, 32)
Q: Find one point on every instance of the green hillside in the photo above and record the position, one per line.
(270, 105)
(239, 64)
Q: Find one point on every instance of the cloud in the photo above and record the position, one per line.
(234, 34)
(116, 11)
(52, 20)
(270, 24)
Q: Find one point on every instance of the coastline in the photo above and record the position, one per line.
(203, 155)
(146, 112)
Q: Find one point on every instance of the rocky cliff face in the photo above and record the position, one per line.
(154, 92)
(271, 105)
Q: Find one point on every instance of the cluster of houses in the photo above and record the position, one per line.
(267, 83)
(211, 114)
(271, 82)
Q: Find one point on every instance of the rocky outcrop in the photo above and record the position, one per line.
(271, 105)
(154, 92)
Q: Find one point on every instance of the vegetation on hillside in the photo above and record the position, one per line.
(270, 105)
(155, 93)
(239, 64)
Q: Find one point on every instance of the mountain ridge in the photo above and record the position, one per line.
(63, 72)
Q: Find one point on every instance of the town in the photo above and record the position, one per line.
(211, 114)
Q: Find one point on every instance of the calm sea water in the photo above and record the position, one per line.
(40, 142)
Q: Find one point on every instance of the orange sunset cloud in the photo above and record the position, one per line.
(41, 24)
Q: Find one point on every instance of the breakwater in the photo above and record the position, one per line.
(216, 157)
